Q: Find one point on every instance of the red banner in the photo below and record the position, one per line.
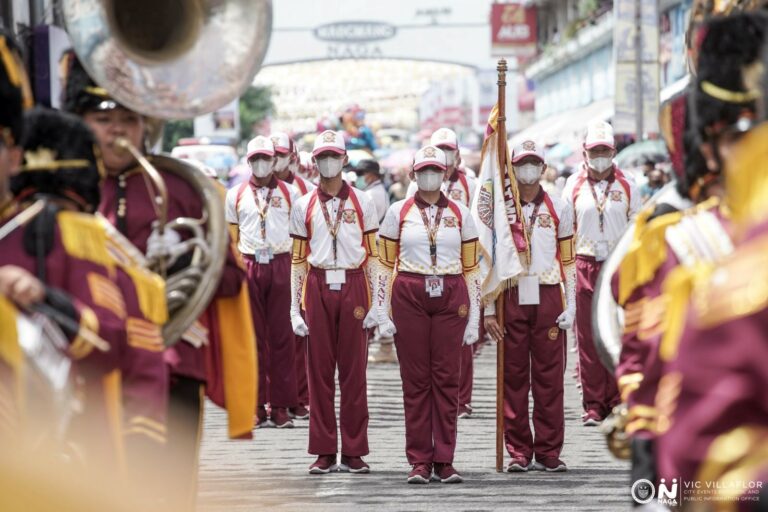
(513, 30)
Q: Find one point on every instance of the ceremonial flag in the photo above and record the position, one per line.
(496, 211)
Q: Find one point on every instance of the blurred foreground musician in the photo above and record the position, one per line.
(219, 351)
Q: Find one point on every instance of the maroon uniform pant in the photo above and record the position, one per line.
(337, 339)
(534, 360)
(466, 374)
(429, 345)
(598, 385)
(271, 304)
(302, 386)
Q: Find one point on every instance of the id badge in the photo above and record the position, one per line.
(528, 290)
(335, 278)
(264, 256)
(434, 286)
(601, 252)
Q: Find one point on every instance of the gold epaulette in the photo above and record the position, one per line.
(150, 287)
(84, 237)
(10, 351)
(738, 288)
(700, 236)
(646, 253)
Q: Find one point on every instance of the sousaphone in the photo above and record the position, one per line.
(175, 59)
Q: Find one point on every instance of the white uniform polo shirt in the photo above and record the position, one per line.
(404, 224)
(242, 208)
(459, 187)
(552, 224)
(380, 198)
(358, 217)
(621, 201)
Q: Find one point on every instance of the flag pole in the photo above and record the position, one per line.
(502, 156)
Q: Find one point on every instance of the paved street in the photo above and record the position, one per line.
(270, 472)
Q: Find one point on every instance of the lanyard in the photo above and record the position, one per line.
(432, 233)
(600, 205)
(333, 229)
(529, 231)
(262, 211)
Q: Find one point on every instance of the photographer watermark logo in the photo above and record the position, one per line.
(643, 491)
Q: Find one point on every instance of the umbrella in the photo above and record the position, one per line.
(635, 154)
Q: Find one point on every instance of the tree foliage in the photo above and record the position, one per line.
(255, 106)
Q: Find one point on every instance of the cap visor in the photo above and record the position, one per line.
(259, 152)
(333, 149)
(282, 150)
(598, 144)
(448, 145)
(422, 165)
(519, 157)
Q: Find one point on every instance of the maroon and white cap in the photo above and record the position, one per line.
(599, 133)
(282, 143)
(527, 148)
(329, 140)
(259, 145)
(445, 137)
(429, 156)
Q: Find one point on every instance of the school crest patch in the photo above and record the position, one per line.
(456, 194)
(349, 216)
(463, 310)
(545, 220)
(554, 332)
(359, 312)
(616, 195)
(276, 202)
(429, 152)
(449, 222)
(485, 204)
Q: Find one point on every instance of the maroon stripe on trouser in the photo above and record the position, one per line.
(533, 360)
(428, 341)
(598, 385)
(302, 387)
(272, 300)
(337, 337)
(466, 374)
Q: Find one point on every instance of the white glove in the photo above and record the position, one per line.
(387, 327)
(565, 320)
(371, 320)
(471, 333)
(299, 326)
(166, 246)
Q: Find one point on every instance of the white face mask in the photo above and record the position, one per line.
(329, 167)
(281, 163)
(528, 174)
(601, 164)
(261, 168)
(429, 181)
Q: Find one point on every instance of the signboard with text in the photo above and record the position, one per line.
(513, 30)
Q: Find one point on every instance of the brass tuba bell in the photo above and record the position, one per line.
(172, 59)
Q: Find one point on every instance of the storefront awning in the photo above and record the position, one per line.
(566, 127)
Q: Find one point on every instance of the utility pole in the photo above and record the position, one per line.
(638, 71)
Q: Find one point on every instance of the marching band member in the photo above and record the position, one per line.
(127, 203)
(334, 270)
(431, 242)
(710, 404)
(261, 209)
(459, 187)
(535, 322)
(604, 201)
(287, 168)
(289, 174)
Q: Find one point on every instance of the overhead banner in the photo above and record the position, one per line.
(513, 30)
